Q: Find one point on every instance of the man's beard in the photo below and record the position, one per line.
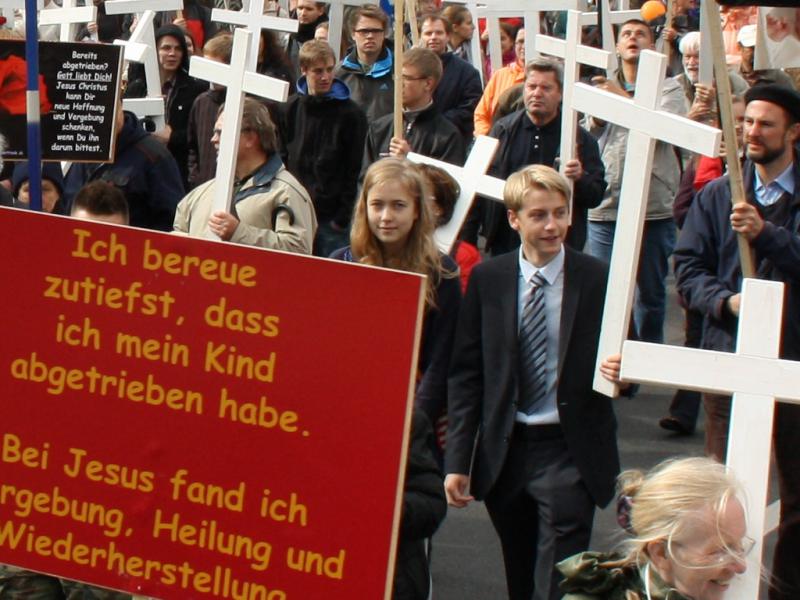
(767, 155)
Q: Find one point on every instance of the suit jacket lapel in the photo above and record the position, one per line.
(507, 291)
(569, 306)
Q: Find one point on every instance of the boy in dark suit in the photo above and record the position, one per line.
(521, 385)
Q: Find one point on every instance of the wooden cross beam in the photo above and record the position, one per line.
(757, 379)
(138, 7)
(471, 178)
(336, 22)
(254, 19)
(530, 11)
(574, 54)
(68, 16)
(238, 80)
(141, 48)
(646, 124)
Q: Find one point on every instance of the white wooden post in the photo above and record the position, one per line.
(756, 378)
(470, 179)
(68, 16)
(705, 74)
(336, 22)
(238, 80)
(646, 124)
(574, 54)
(254, 19)
(530, 11)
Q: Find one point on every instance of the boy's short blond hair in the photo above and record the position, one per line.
(533, 177)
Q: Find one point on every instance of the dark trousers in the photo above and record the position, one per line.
(541, 511)
(785, 581)
(685, 404)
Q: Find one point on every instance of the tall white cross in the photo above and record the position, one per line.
(141, 48)
(471, 178)
(69, 16)
(238, 80)
(254, 19)
(530, 11)
(756, 378)
(646, 124)
(574, 54)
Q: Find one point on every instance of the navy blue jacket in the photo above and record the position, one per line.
(143, 169)
(458, 93)
(372, 90)
(707, 262)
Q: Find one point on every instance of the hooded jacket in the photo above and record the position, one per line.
(185, 90)
(372, 90)
(322, 140)
(143, 169)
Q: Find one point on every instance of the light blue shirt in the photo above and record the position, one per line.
(767, 195)
(553, 273)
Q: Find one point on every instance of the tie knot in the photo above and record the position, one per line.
(538, 280)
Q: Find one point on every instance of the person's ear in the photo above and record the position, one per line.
(513, 219)
(659, 556)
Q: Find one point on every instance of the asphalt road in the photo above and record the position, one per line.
(467, 562)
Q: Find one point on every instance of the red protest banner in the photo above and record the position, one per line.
(190, 419)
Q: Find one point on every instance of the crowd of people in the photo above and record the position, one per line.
(504, 407)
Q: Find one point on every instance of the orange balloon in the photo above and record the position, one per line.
(652, 9)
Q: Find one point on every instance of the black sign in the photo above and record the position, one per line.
(78, 92)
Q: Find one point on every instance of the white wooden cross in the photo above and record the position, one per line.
(756, 378)
(472, 179)
(140, 48)
(646, 124)
(574, 54)
(238, 80)
(336, 21)
(254, 19)
(530, 11)
(68, 16)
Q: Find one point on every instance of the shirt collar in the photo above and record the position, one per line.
(785, 180)
(550, 271)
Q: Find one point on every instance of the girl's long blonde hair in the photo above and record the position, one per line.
(420, 254)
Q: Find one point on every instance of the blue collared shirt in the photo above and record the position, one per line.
(767, 195)
(553, 272)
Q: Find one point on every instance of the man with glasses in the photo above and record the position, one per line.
(270, 208)
(368, 68)
(425, 130)
(460, 88)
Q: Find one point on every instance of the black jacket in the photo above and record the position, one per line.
(522, 144)
(321, 144)
(179, 103)
(430, 134)
(424, 508)
(143, 169)
(458, 93)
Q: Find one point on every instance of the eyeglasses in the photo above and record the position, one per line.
(368, 31)
(717, 558)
